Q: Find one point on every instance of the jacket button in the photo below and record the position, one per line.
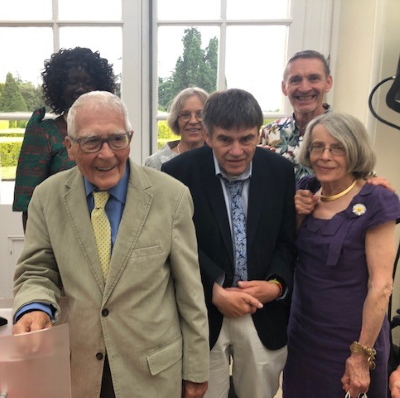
(105, 312)
(99, 356)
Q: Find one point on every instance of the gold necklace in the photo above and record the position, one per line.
(338, 195)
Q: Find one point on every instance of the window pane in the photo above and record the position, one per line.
(90, 10)
(186, 10)
(26, 53)
(171, 48)
(239, 9)
(11, 10)
(107, 41)
(255, 61)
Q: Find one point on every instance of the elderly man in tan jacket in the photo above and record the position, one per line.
(139, 330)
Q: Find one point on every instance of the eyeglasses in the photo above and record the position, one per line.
(186, 116)
(319, 149)
(93, 144)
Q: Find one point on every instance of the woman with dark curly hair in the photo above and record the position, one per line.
(67, 75)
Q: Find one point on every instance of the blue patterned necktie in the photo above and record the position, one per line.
(238, 218)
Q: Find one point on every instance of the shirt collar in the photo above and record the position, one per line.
(244, 176)
(118, 191)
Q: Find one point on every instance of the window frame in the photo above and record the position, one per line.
(139, 85)
(304, 32)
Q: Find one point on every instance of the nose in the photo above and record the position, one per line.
(305, 85)
(193, 118)
(326, 154)
(105, 151)
(236, 149)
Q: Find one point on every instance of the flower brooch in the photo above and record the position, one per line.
(359, 209)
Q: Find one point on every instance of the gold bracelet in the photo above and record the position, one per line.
(369, 352)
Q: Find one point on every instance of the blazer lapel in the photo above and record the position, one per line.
(137, 206)
(212, 186)
(257, 197)
(78, 213)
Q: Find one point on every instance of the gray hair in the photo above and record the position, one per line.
(351, 133)
(232, 109)
(308, 54)
(94, 101)
(178, 103)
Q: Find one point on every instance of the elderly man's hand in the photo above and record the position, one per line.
(382, 181)
(31, 321)
(193, 390)
(394, 383)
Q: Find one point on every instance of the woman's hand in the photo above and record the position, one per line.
(305, 201)
(394, 383)
(356, 378)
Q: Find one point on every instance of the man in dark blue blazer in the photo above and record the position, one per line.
(247, 300)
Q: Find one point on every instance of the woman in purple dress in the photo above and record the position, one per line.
(338, 336)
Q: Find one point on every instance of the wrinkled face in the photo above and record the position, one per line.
(78, 82)
(191, 131)
(306, 84)
(234, 149)
(326, 166)
(106, 167)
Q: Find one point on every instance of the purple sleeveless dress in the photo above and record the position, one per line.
(330, 288)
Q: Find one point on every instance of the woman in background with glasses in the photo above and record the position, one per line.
(67, 75)
(338, 334)
(184, 119)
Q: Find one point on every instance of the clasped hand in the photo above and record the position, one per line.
(246, 298)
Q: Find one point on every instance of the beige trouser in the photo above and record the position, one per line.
(255, 369)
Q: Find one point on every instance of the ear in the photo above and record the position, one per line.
(329, 82)
(283, 87)
(68, 145)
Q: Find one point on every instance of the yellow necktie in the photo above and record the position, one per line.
(102, 230)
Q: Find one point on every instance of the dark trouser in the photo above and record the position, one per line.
(107, 389)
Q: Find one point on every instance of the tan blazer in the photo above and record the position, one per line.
(150, 315)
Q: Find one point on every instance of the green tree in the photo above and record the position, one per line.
(211, 65)
(196, 67)
(32, 95)
(11, 99)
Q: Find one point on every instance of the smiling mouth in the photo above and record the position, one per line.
(104, 168)
(305, 97)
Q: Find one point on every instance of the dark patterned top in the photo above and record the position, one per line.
(42, 154)
(285, 136)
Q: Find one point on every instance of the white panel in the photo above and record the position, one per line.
(15, 246)
(11, 242)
